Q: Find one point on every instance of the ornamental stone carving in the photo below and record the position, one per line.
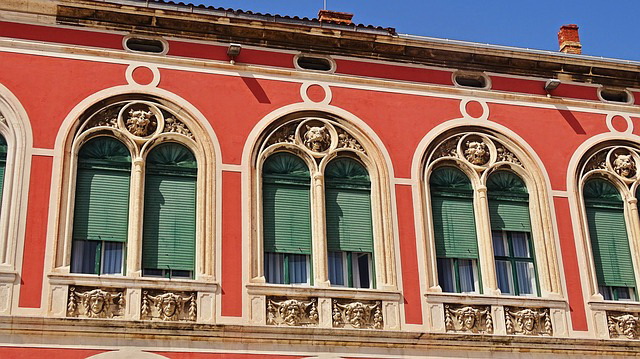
(292, 312)
(355, 314)
(476, 152)
(140, 122)
(169, 306)
(528, 321)
(171, 124)
(468, 319)
(95, 302)
(480, 150)
(623, 325)
(624, 165)
(614, 162)
(318, 136)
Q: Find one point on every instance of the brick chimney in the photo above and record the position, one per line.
(569, 40)
(342, 18)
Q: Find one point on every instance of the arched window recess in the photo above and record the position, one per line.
(486, 204)
(171, 159)
(609, 183)
(346, 182)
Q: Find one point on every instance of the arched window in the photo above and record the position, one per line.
(321, 205)
(349, 224)
(454, 230)
(488, 217)
(286, 219)
(511, 233)
(609, 240)
(169, 230)
(101, 211)
(142, 189)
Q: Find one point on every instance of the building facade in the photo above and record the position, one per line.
(189, 182)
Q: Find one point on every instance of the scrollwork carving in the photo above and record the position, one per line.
(528, 321)
(471, 319)
(355, 314)
(169, 306)
(95, 302)
(171, 124)
(107, 117)
(292, 312)
(345, 140)
(476, 149)
(623, 325)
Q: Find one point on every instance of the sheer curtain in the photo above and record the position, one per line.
(297, 268)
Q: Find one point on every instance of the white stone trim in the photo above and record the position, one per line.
(16, 129)
(206, 150)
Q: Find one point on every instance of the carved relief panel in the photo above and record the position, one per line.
(468, 319)
(481, 151)
(140, 120)
(528, 321)
(620, 162)
(317, 136)
(85, 302)
(292, 312)
(169, 306)
(623, 325)
(357, 314)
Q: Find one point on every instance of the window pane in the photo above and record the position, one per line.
(181, 274)
(606, 292)
(466, 270)
(526, 278)
(151, 272)
(297, 268)
(446, 277)
(274, 267)
(361, 271)
(503, 272)
(499, 244)
(83, 257)
(112, 257)
(624, 293)
(336, 268)
(520, 243)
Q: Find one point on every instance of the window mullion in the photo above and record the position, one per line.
(136, 213)
(318, 230)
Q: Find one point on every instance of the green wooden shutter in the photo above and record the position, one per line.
(169, 230)
(453, 216)
(508, 202)
(3, 164)
(102, 191)
(286, 205)
(608, 233)
(348, 206)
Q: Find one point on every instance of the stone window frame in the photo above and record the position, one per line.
(185, 130)
(354, 144)
(16, 130)
(504, 154)
(598, 162)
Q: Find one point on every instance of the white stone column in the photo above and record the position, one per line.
(319, 232)
(136, 203)
(485, 245)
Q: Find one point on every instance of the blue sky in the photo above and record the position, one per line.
(607, 28)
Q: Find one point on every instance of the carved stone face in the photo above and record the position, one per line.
(316, 138)
(476, 153)
(528, 322)
(291, 313)
(624, 165)
(169, 307)
(468, 319)
(96, 303)
(629, 326)
(357, 315)
(139, 122)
